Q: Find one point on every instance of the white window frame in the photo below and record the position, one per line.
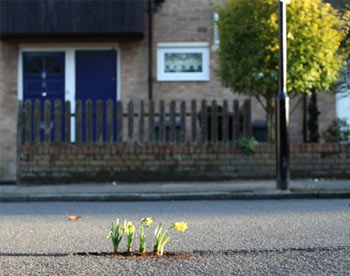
(69, 61)
(183, 47)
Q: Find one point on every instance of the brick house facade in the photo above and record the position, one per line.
(177, 24)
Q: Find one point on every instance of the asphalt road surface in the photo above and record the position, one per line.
(282, 237)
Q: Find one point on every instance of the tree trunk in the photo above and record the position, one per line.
(314, 135)
(269, 120)
(305, 118)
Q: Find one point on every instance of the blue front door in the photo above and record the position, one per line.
(43, 78)
(96, 73)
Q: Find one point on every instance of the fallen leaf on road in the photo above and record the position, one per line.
(74, 217)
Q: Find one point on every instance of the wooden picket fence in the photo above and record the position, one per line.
(142, 122)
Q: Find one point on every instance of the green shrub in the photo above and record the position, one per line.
(246, 144)
(338, 131)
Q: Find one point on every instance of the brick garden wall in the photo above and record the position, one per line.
(136, 163)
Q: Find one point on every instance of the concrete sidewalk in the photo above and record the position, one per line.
(225, 190)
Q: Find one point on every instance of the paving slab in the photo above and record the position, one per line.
(249, 189)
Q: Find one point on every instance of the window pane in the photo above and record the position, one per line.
(49, 61)
(32, 69)
(35, 66)
(183, 63)
(55, 69)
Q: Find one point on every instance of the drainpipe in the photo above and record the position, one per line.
(150, 49)
(151, 9)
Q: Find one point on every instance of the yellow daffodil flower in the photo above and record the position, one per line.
(131, 228)
(147, 221)
(180, 226)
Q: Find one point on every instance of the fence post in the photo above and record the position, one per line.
(141, 122)
(161, 132)
(78, 122)
(172, 121)
(58, 121)
(214, 122)
(28, 122)
(204, 122)
(19, 141)
(119, 122)
(67, 122)
(183, 122)
(99, 122)
(151, 122)
(109, 122)
(235, 120)
(37, 121)
(193, 121)
(48, 122)
(20, 123)
(247, 124)
(130, 121)
(88, 122)
(225, 125)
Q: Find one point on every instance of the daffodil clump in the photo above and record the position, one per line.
(159, 235)
(145, 222)
(129, 230)
(116, 235)
(117, 231)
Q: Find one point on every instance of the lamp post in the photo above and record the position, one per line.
(282, 103)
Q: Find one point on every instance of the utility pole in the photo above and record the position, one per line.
(282, 103)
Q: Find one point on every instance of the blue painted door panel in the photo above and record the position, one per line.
(96, 72)
(43, 79)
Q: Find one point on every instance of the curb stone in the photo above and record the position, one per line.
(175, 197)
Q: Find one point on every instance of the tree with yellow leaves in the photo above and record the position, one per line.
(248, 52)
